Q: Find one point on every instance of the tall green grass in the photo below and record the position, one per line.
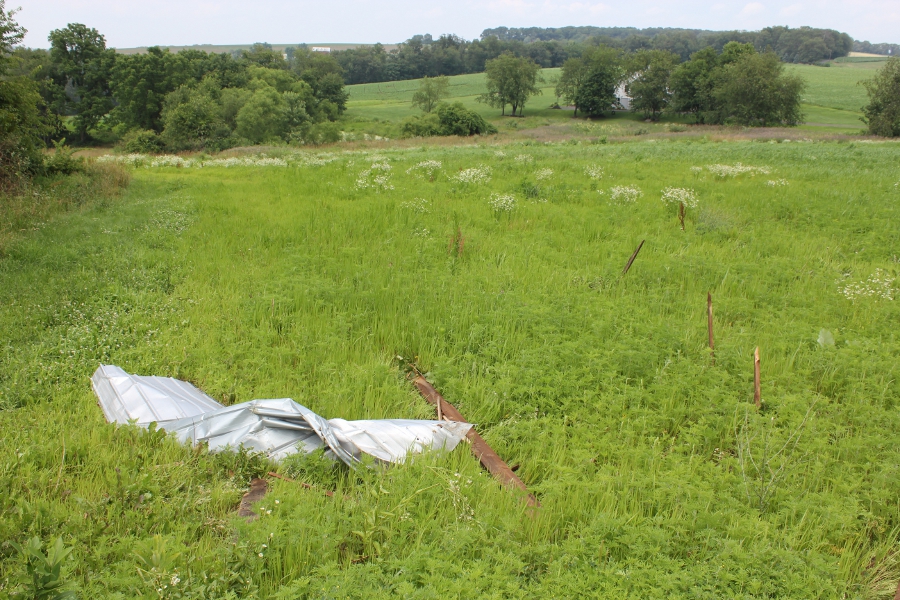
(273, 282)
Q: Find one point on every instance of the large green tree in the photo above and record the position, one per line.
(691, 84)
(882, 114)
(510, 80)
(603, 72)
(85, 64)
(140, 83)
(753, 90)
(648, 85)
(431, 91)
(22, 118)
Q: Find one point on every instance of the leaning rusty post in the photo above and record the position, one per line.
(489, 459)
(681, 214)
(897, 593)
(709, 318)
(757, 397)
(633, 256)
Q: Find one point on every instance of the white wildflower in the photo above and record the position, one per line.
(377, 177)
(500, 154)
(479, 174)
(502, 202)
(428, 167)
(685, 196)
(737, 169)
(879, 285)
(417, 205)
(422, 233)
(594, 171)
(543, 174)
(524, 159)
(625, 193)
(696, 170)
(777, 182)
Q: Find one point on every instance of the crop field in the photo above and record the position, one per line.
(321, 276)
(837, 86)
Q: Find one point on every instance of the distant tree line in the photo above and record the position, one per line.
(184, 100)
(422, 56)
(735, 86)
(870, 48)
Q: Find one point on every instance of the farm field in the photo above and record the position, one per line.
(321, 279)
(832, 102)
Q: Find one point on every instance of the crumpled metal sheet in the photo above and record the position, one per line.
(125, 398)
(278, 427)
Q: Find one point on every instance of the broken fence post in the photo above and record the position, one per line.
(709, 319)
(489, 459)
(757, 397)
(633, 256)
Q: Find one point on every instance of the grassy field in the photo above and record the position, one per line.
(310, 280)
(832, 102)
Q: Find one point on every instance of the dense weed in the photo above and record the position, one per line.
(271, 281)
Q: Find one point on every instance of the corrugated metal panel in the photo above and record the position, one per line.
(278, 427)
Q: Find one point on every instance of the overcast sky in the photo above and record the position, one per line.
(128, 23)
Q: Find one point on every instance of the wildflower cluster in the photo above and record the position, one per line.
(777, 182)
(878, 285)
(417, 205)
(461, 506)
(625, 193)
(133, 160)
(170, 160)
(422, 233)
(524, 159)
(319, 160)
(594, 171)
(735, 170)
(377, 177)
(502, 202)
(686, 196)
(500, 154)
(479, 174)
(244, 162)
(428, 167)
(696, 170)
(543, 174)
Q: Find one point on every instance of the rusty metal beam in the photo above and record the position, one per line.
(489, 459)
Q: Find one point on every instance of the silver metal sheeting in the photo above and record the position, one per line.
(277, 428)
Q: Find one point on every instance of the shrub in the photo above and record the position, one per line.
(455, 119)
(421, 126)
(142, 141)
(62, 162)
(883, 111)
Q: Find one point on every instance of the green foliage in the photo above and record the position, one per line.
(431, 91)
(23, 120)
(601, 76)
(882, 114)
(455, 119)
(648, 87)
(754, 90)
(84, 65)
(191, 119)
(447, 119)
(140, 82)
(142, 141)
(263, 117)
(44, 579)
(739, 86)
(63, 161)
(510, 80)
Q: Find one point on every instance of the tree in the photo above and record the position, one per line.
(691, 86)
(602, 75)
(754, 90)
(84, 63)
(140, 82)
(431, 91)
(510, 80)
(570, 80)
(22, 120)
(191, 118)
(649, 86)
(882, 114)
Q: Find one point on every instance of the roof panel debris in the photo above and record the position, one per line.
(277, 428)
